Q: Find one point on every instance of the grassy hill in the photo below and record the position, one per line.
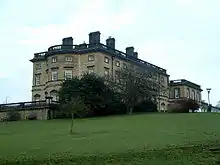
(138, 139)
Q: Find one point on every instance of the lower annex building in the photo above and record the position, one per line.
(61, 62)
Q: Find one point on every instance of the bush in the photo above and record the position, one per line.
(13, 116)
(209, 108)
(183, 106)
(146, 106)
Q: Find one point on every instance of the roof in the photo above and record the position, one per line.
(86, 48)
(183, 82)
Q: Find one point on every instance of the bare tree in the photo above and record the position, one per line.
(74, 106)
(135, 85)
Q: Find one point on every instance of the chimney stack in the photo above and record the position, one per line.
(136, 54)
(130, 51)
(110, 43)
(67, 43)
(94, 38)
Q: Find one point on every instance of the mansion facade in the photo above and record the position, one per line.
(62, 62)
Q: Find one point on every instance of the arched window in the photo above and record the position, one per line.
(54, 95)
(37, 97)
(187, 93)
(193, 95)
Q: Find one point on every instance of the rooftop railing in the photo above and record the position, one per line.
(60, 48)
(26, 105)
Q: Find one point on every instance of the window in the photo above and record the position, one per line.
(54, 75)
(37, 79)
(90, 69)
(106, 72)
(91, 58)
(38, 66)
(125, 66)
(162, 79)
(106, 60)
(176, 93)
(68, 74)
(54, 59)
(150, 75)
(193, 95)
(68, 59)
(117, 63)
(37, 97)
(198, 96)
(188, 93)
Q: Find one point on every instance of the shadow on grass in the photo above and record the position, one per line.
(87, 134)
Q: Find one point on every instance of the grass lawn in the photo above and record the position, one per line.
(139, 139)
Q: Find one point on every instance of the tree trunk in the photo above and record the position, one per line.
(71, 126)
(129, 110)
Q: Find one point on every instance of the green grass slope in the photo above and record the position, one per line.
(138, 139)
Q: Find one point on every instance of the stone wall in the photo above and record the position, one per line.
(40, 114)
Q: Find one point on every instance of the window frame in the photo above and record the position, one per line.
(67, 59)
(52, 75)
(91, 57)
(117, 63)
(176, 89)
(188, 93)
(35, 80)
(66, 73)
(38, 66)
(106, 60)
(54, 60)
(91, 69)
(106, 70)
(125, 66)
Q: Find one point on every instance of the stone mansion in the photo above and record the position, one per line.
(61, 62)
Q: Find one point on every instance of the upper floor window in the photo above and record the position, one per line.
(54, 76)
(68, 74)
(38, 66)
(54, 59)
(68, 59)
(90, 69)
(106, 60)
(162, 79)
(177, 93)
(91, 58)
(188, 93)
(37, 79)
(117, 63)
(125, 66)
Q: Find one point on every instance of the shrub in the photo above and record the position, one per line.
(146, 106)
(183, 106)
(13, 116)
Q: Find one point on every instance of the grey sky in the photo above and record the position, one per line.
(181, 36)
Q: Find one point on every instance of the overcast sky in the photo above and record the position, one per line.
(182, 36)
